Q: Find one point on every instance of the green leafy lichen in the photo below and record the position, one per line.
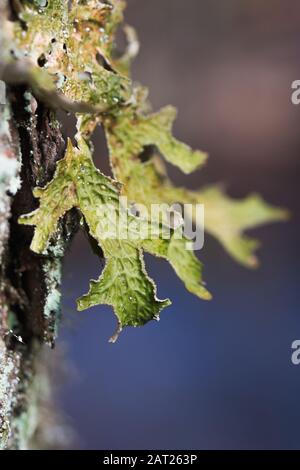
(132, 131)
(123, 237)
(71, 47)
(225, 218)
(71, 50)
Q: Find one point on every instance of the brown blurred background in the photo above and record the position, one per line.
(228, 66)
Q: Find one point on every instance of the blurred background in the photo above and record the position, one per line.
(210, 375)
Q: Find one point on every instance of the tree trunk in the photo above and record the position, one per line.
(30, 144)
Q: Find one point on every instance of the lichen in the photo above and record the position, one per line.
(71, 53)
(10, 165)
(9, 361)
(66, 55)
(22, 325)
(52, 271)
(9, 382)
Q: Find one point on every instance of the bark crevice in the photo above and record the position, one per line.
(29, 283)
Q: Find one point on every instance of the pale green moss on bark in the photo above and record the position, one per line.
(24, 323)
(10, 361)
(20, 342)
(9, 381)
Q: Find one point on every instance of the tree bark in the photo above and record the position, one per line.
(30, 145)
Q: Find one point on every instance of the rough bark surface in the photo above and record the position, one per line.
(30, 144)
(67, 52)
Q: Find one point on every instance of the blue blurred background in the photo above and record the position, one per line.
(210, 374)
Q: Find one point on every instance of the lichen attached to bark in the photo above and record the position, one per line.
(70, 52)
(64, 54)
